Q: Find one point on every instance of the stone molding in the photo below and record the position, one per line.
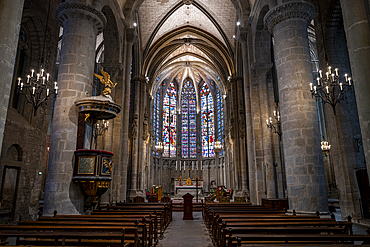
(131, 35)
(291, 10)
(242, 34)
(74, 10)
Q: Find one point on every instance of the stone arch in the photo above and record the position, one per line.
(111, 38)
(262, 41)
(14, 153)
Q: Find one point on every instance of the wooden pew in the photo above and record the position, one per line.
(57, 235)
(146, 226)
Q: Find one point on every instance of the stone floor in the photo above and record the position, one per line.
(185, 233)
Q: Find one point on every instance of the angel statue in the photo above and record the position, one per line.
(105, 79)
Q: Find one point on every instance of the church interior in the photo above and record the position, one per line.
(106, 101)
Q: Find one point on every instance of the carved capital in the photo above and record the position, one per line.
(131, 35)
(75, 10)
(290, 10)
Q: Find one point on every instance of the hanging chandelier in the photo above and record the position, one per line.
(218, 146)
(330, 88)
(100, 127)
(325, 147)
(37, 89)
(159, 147)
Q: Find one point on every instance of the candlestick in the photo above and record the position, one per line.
(28, 79)
(349, 81)
(21, 85)
(318, 81)
(329, 68)
(311, 90)
(38, 76)
(47, 92)
(33, 90)
(327, 89)
(19, 81)
(327, 75)
(320, 72)
(336, 71)
(47, 76)
(43, 80)
(346, 76)
(32, 72)
(314, 88)
(332, 76)
(42, 72)
(341, 87)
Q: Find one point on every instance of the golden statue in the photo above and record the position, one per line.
(105, 79)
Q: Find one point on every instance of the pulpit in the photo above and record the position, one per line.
(188, 207)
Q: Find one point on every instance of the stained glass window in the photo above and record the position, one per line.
(207, 121)
(169, 121)
(156, 126)
(220, 118)
(188, 121)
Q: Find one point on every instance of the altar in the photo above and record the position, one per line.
(183, 187)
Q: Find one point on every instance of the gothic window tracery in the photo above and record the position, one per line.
(169, 121)
(188, 111)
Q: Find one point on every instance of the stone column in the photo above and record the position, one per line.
(10, 19)
(131, 36)
(357, 28)
(81, 24)
(303, 158)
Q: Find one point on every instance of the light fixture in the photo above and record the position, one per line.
(325, 147)
(238, 23)
(135, 24)
(218, 146)
(276, 127)
(234, 36)
(159, 147)
(99, 128)
(37, 89)
(330, 88)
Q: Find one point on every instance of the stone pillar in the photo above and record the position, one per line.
(131, 36)
(10, 19)
(81, 24)
(303, 158)
(357, 28)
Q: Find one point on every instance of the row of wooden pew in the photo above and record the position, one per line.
(241, 224)
(124, 224)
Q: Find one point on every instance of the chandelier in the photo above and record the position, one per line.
(159, 147)
(330, 88)
(276, 127)
(218, 146)
(37, 89)
(325, 147)
(99, 128)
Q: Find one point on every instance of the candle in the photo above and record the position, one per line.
(42, 72)
(21, 85)
(314, 88)
(320, 72)
(267, 121)
(336, 71)
(349, 81)
(107, 123)
(341, 86)
(33, 90)
(47, 92)
(55, 85)
(28, 79)
(327, 75)
(43, 80)
(311, 86)
(278, 118)
(327, 89)
(332, 76)
(318, 81)
(32, 72)
(47, 76)
(275, 111)
(346, 76)
(19, 81)
(329, 68)
(56, 90)
(270, 120)
(38, 76)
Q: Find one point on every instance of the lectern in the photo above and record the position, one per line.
(188, 207)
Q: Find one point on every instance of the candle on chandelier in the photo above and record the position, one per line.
(278, 119)
(33, 90)
(349, 81)
(327, 75)
(43, 80)
(42, 72)
(274, 113)
(327, 89)
(55, 85)
(107, 123)
(47, 76)
(38, 76)
(329, 68)
(270, 119)
(341, 86)
(32, 72)
(56, 90)
(267, 121)
(318, 81)
(47, 92)
(314, 88)
(332, 76)
(311, 86)
(320, 72)
(21, 85)
(19, 81)
(346, 76)
(336, 71)
(28, 79)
